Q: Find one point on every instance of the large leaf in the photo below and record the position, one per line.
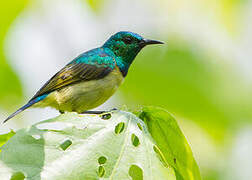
(171, 142)
(72, 146)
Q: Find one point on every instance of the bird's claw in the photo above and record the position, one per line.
(107, 114)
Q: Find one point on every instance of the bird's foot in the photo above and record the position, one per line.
(114, 109)
(103, 114)
(93, 112)
(99, 112)
(61, 112)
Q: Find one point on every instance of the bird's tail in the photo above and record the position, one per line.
(29, 104)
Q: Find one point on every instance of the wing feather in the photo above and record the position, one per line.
(74, 73)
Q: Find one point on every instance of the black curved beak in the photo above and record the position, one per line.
(146, 42)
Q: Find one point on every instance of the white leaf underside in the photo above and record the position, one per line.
(37, 153)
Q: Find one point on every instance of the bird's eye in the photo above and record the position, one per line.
(127, 40)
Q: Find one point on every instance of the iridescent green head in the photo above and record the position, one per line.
(127, 45)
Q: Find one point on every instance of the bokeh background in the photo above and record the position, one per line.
(202, 74)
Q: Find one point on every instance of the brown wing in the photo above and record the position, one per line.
(71, 74)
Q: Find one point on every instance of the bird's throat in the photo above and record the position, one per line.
(123, 66)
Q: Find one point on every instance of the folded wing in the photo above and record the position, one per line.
(74, 73)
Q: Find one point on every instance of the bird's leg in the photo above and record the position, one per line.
(103, 114)
(99, 112)
(93, 112)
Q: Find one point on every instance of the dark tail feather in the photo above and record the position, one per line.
(29, 104)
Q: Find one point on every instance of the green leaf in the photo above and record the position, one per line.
(74, 146)
(5, 137)
(172, 147)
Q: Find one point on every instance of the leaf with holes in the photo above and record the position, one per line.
(73, 146)
(171, 145)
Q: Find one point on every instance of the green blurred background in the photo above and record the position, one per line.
(202, 74)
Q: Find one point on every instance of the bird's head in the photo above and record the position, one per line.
(127, 45)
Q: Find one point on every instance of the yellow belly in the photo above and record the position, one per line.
(85, 95)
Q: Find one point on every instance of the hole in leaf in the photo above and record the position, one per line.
(135, 140)
(139, 126)
(101, 171)
(160, 156)
(119, 127)
(175, 160)
(136, 172)
(106, 116)
(65, 144)
(143, 115)
(102, 160)
(18, 176)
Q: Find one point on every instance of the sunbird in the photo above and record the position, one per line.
(92, 77)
